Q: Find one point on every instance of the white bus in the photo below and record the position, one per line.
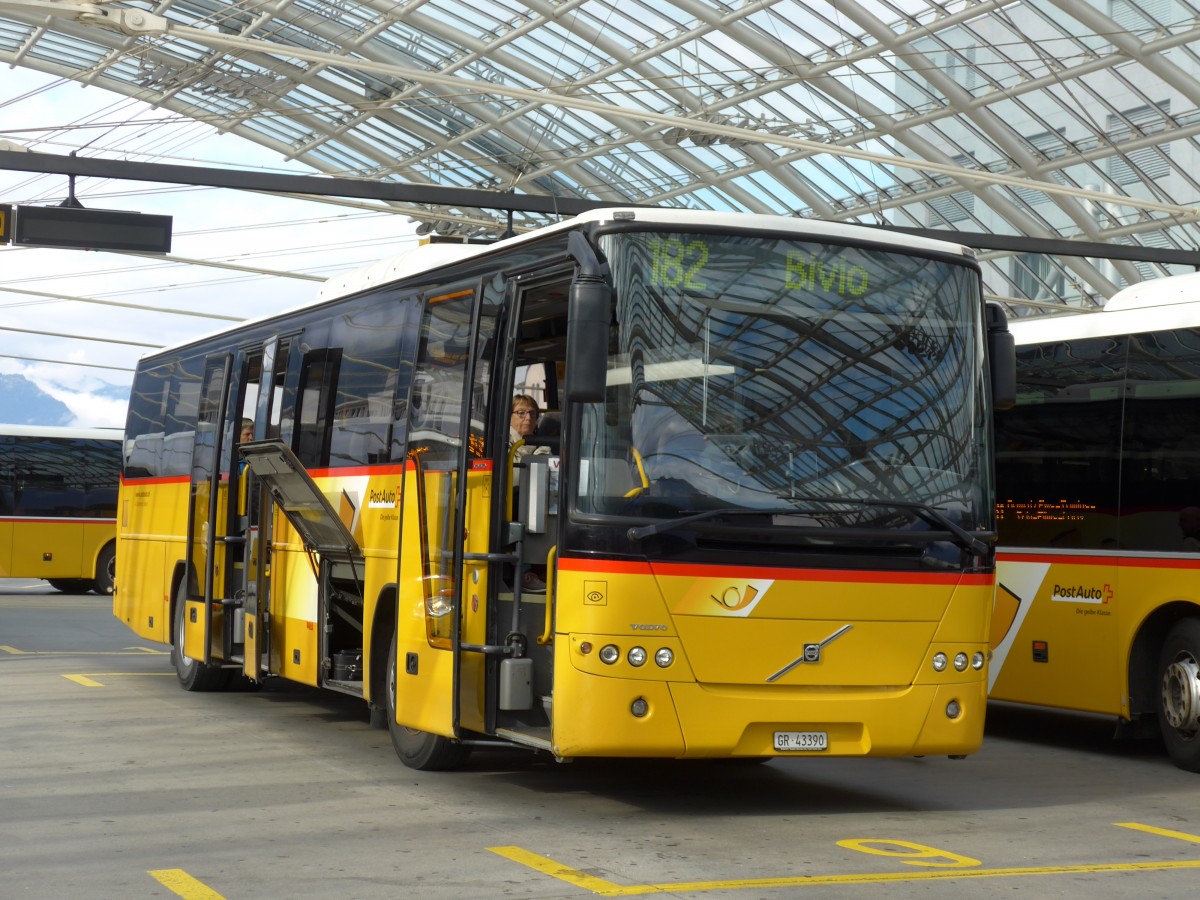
(1098, 476)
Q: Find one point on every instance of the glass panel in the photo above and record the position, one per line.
(1160, 508)
(752, 373)
(204, 457)
(1057, 451)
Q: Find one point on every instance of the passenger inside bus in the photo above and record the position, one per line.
(243, 477)
(523, 424)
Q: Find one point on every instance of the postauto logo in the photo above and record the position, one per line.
(1080, 593)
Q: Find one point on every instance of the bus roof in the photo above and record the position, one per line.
(1159, 304)
(57, 431)
(416, 260)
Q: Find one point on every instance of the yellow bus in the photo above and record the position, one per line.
(765, 527)
(58, 504)
(1098, 467)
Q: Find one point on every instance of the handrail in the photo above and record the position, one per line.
(508, 498)
(547, 634)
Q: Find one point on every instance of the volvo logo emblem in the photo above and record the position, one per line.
(811, 654)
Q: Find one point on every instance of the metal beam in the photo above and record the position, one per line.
(1057, 246)
(433, 195)
(473, 198)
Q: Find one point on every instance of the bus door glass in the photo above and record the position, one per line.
(447, 491)
(205, 548)
(266, 419)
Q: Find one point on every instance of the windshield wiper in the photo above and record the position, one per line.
(924, 510)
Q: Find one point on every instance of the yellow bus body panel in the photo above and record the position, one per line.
(151, 531)
(424, 661)
(1065, 624)
(52, 547)
(740, 672)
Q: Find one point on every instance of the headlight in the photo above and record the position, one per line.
(637, 656)
(977, 661)
(939, 661)
(609, 654)
(960, 662)
(664, 657)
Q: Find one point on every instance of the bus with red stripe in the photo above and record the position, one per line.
(58, 502)
(763, 526)
(1098, 468)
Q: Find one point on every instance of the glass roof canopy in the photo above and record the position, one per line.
(1069, 119)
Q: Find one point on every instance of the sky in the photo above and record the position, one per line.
(73, 307)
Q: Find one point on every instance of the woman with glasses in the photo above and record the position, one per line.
(522, 424)
(525, 415)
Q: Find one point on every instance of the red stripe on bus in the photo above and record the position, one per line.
(391, 469)
(352, 471)
(706, 570)
(54, 520)
(157, 479)
(1128, 562)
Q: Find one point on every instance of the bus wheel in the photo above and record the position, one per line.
(419, 749)
(193, 674)
(70, 585)
(106, 570)
(1179, 694)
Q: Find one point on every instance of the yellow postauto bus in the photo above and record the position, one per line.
(763, 528)
(58, 502)
(1098, 467)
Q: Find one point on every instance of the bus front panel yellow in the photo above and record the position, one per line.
(756, 652)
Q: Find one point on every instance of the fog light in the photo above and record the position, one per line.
(609, 654)
(960, 662)
(639, 707)
(953, 710)
(664, 657)
(977, 661)
(939, 661)
(637, 656)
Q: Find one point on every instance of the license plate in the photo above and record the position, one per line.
(801, 740)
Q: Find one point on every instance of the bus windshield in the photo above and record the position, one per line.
(764, 373)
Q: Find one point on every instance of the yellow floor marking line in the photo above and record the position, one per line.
(609, 889)
(1163, 832)
(86, 680)
(180, 882)
(128, 651)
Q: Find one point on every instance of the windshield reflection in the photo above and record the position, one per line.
(751, 373)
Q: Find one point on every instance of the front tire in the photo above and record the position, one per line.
(193, 674)
(1179, 694)
(419, 749)
(106, 570)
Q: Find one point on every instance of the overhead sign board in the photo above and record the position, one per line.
(91, 229)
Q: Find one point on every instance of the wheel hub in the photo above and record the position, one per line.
(1181, 695)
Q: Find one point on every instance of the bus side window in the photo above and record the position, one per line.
(315, 401)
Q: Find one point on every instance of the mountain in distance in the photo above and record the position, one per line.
(24, 403)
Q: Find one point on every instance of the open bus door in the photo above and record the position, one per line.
(254, 510)
(222, 569)
(206, 551)
(438, 668)
(321, 529)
